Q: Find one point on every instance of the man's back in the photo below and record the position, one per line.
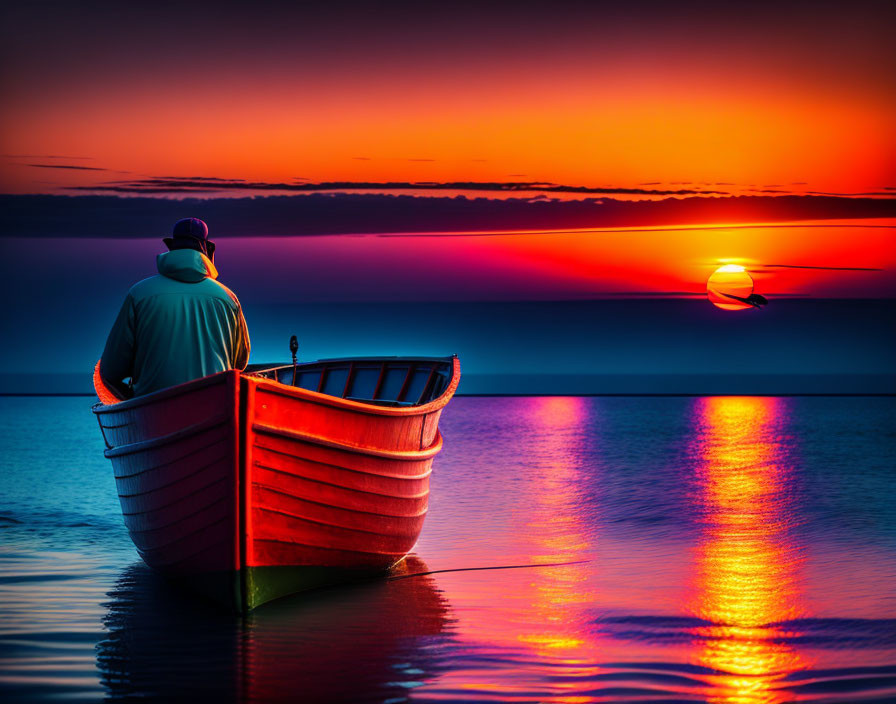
(175, 327)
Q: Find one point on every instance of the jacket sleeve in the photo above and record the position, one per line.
(241, 346)
(117, 362)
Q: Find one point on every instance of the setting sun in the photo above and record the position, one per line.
(727, 285)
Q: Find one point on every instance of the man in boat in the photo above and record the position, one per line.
(178, 326)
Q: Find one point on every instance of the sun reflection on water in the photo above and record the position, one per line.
(747, 578)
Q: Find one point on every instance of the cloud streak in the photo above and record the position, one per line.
(47, 156)
(170, 184)
(650, 294)
(72, 167)
(823, 268)
(173, 185)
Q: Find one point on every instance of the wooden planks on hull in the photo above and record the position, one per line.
(352, 490)
(174, 454)
(282, 483)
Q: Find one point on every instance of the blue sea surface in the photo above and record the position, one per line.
(577, 549)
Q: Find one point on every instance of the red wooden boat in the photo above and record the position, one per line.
(258, 484)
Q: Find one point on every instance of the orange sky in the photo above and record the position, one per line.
(571, 97)
(585, 135)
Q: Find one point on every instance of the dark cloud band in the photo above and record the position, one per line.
(165, 184)
(368, 213)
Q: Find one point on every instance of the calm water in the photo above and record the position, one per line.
(719, 549)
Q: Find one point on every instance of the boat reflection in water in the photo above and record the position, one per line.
(747, 565)
(365, 642)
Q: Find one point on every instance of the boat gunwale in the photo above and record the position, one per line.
(297, 392)
(271, 386)
(128, 404)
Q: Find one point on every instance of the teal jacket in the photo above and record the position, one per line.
(175, 327)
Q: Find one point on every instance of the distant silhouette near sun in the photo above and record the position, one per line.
(730, 287)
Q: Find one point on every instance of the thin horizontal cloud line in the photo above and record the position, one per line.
(175, 184)
(847, 195)
(679, 294)
(670, 228)
(47, 156)
(650, 294)
(211, 180)
(66, 166)
(825, 268)
(188, 184)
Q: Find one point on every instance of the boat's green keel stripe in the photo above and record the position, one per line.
(263, 584)
(242, 591)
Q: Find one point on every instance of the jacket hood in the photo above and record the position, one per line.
(186, 265)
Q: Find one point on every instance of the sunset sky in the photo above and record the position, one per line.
(468, 152)
(591, 94)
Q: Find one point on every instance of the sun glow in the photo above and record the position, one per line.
(728, 286)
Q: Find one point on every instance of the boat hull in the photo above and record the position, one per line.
(249, 489)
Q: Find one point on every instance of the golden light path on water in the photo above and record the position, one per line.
(747, 566)
(558, 598)
(543, 624)
(556, 533)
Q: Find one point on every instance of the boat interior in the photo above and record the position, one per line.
(382, 381)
